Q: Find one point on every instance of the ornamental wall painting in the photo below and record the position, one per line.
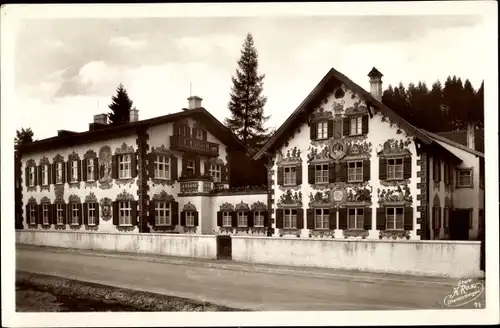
(105, 167)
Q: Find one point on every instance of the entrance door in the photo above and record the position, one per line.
(459, 224)
(224, 247)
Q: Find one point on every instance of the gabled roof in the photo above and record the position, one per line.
(213, 125)
(460, 137)
(453, 143)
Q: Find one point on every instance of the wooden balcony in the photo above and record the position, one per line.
(202, 147)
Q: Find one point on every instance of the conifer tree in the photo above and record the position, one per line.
(23, 137)
(120, 106)
(246, 100)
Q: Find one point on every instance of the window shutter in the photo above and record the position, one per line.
(85, 214)
(234, 219)
(382, 168)
(367, 218)
(151, 165)
(366, 170)
(79, 168)
(300, 218)
(311, 174)
(53, 213)
(183, 218)
(330, 128)
(175, 213)
(266, 219)
(27, 214)
(63, 166)
(332, 175)
(52, 175)
(133, 212)
(333, 219)
(280, 176)
(38, 175)
(39, 214)
(116, 219)
(342, 175)
(174, 172)
(65, 213)
(408, 218)
(152, 213)
(68, 171)
(97, 175)
(250, 218)
(380, 218)
(80, 212)
(133, 164)
(345, 126)
(96, 213)
(84, 170)
(364, 124)
(49, 174)
(310, 218)
(26, 176)
(225, 173)
(196, 220)
(407, 167)
(219, 219)
(279, 218)
(298, 173)
(114, 167)
(343, 218)
(314, 131)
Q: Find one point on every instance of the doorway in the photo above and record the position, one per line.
(459, 224)
(224, 247)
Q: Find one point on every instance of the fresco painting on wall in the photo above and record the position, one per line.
(105, 179)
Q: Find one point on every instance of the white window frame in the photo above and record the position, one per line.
(227, 219)
(125, 213)
(124, 166)
(289, 219)
(321, 218)
(90, 170)
(163, 213)
(357, 217)
(356, 125)
(189, 218)
(242, 219)
(322, 130)
(258, 219)
(32, 214)
(355, 174)
(190, 166)
(91, 214)
(395, 170)
(460, 176)
(74, 171)
(31, 176)
(162, 167)
(392, 219)
(215, 171)
(321, 175)
(45, 175)
(290, 176)
(45, 214)
(59, 172)
(74, 214)
(60, 213)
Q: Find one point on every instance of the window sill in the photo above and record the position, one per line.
(125, 225)
(163, 225)
(75, 224)
(356, 135)
(91, 224)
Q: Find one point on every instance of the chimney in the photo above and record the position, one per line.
(376, 83)
(134, 115)
(101, 119)
(470, 135)
(194, 102)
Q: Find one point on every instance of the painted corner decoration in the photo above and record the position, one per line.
(320, 198)
(59, 193)
(397, 195)
(292, 155)
(290, 199)
(105, 162)
(360, 195)
(394, 147)
(106, 212)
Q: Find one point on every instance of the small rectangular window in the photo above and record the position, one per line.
(322, 130)
(322, 218)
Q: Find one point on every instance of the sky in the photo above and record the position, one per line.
(68, 69)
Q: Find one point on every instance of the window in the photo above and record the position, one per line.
(31, 176)
(355, 125)
(215, 171)
(189, 219)
(190, 165)
(90, 169)
(290, 175)
(199, 134)
(290, 219)
(394, 218)
(74, 171)
(74, 214)
(395, 168)
(356, 217)
(321, 173)
(465, 178)
(322, 130)
(60, 214)
(125, 162)
(162, 170)
(45, 175)
(59, 172)
(91, 213)
(355, 171)
(258, 219)
(125, 213)
(32, 214)
(226, 219)
(242, 219)
(446, 217)
(162, 213)
(322, 219)
(45, 214)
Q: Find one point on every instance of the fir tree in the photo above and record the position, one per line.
(23, 137)
(120, 107)
(246, 100)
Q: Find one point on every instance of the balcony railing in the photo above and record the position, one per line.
(184, 143)
(196, 186)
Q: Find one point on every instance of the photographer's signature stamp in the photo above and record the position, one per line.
(465, 292)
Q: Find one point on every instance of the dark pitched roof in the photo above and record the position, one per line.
(332, 77)
(213, 125)
(453, 143)
(460, 136)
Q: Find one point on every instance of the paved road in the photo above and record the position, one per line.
(255, 287)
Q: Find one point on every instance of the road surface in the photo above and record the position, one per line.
(240, 285)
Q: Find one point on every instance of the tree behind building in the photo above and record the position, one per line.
(120, 106)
